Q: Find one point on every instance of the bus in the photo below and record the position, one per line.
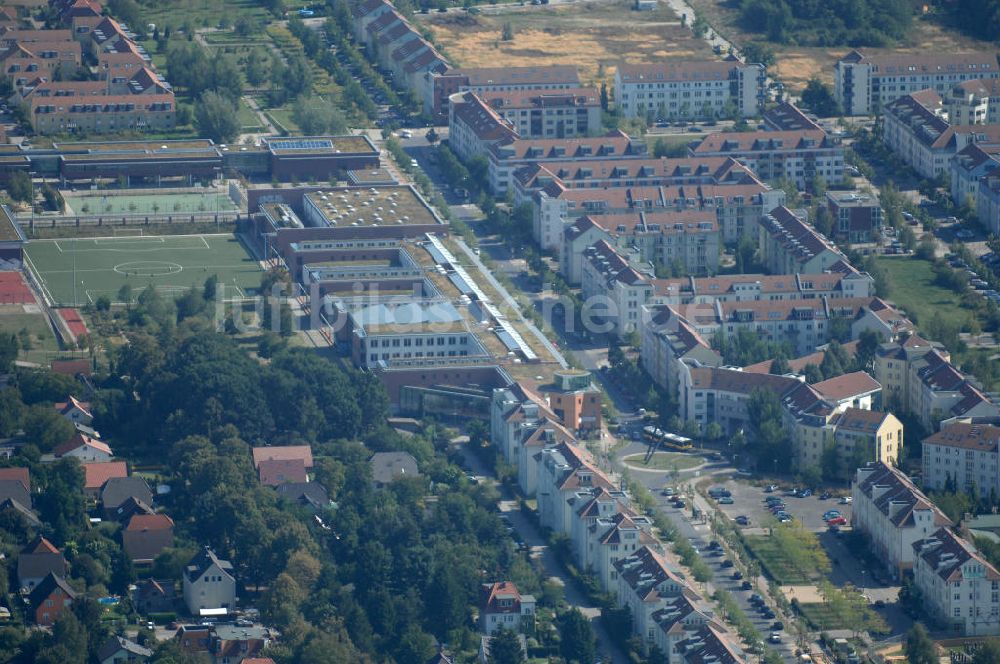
(666, 439)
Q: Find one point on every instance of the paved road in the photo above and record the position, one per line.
(540, 551)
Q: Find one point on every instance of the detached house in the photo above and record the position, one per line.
(85, 448)
(75, 411)
(50, 596)
(209, 585)
(119, 650)
(97, 474)
(503, 607)
(146, 535)
(37, 560)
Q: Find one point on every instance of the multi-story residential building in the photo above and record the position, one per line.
(675, 621)
(914, 127)
(970, 165)
(88, 107)
(857, 218)
(509, 155)
(502, 606)
(988, 202)
(974, 102)
(622, 289)
(710, 644)
(646, 582)
(574, 399)
(918, 378)
(436, 88)
(564, 470)
(30, 54)
(863, 84)
(861, 435)
(209, 585)
(565, 113)
(690, 90)
(765, 288)
(612, 538)
(474, 125)
(786, 116)
(959, 587)
(738, 206)
(668, 340)
(893, 514)
(799, 156)
(683, 240)
(963, 455)
(589, 505)
(789, 245)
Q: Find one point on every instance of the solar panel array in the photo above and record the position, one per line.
(302, 144)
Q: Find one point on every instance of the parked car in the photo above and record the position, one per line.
(737, 575)
(774, 638)
(777, 626)
(805, 493)
(743, 520)
(770, 488)
(837, 521)
(746, 585)
(726, 564)
(846, 500)
(829, 514)
(726, 500)
(826, 495)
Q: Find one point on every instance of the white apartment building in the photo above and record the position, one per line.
(965, 455)
(689, 239)
(563, 470)
(798, 155)
(676, 621)
(974, 102)
(988, 202)
(612, 538)
(502, 606)
(970, 165)
(646, 581)
(765, 288)
(863, 84)
(960, 589)
(668, 341)
(690, 90)
(473, 126)
(615, 290)
(552, 114)
(590, 505)
(788, 245)
(893, 514)
(914, 127)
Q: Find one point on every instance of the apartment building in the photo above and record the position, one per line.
(564, 113)
(893, 514)
(25, 57)
(647, 581)
(959, 587)
(436, 87)
(612, 538)
(103, 114)
(863, 84)
(789, 245)
(563, 471)
(918, 378)
(474, 125)
(857, 218)
(622, 289)
(974, 102)
(690, 90)
(678, 620)
(914, 127)
(508, 156)
(669, 340)
(589, 506)
(786, 116)
(799, 155)
(964, 455)
(687, 240)
(988, 202)
(765, 287)
(970, 165)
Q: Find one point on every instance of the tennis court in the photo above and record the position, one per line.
(171, 263)
(158, 203)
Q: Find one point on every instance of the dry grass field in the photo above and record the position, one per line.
(797, 64)
(595, 36)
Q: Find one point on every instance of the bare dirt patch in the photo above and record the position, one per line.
(594, 36)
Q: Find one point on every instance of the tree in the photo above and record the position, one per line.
(713, 431)
(919, 647)
(46, 428)
(9, 347)
(988, 653)
(780, 366)
(759, 53)
(126, 11)
(576, 637)
(19, 186)
(507, 32)
(216, 118)
(505, 648)
(315, 116)
(818, 98)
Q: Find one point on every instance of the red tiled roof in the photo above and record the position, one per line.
(279, 471)
(150, 522)
(96, 474)
(22, 475)
(81, 440)
(847, 385)
(285, 452)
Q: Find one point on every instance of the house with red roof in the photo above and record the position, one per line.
(96, 474)
(283, 453)
(274, 472)
(77, 412)
(146, 535)
(85, 448)
(18, 474)
(502, 606)
(49, 598)
(37, 560)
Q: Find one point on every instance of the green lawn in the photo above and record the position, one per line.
(248, 119)
(913, 289)
(665, 461)
(43, 342)
(172, 264)
(823, 617)
(775, 563)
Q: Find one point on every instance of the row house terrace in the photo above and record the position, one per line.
(563, 470)
(764, 287)
(648, 583)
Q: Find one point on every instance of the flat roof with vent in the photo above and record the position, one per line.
(397, 205)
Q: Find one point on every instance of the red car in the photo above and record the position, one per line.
(837, 521)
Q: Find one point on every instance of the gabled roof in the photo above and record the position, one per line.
(307, 493)
(945, 553)
(82, 441)
(278, 471)
(17, 473)
(846, 386)
(119, 489)
(17, 506)
(960, 435)
(491, 595)
(45, 588)
(39, 545)
(148, 522)
(895, 495)
(96, 474)
(71, 404)
(284, 452)
(115, 644)
(646, 572)
(205, 559)
(387, 466)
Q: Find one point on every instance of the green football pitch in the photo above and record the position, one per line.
(171, 263)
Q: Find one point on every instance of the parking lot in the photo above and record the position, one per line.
(748, 500)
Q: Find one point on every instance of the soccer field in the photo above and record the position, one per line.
(171, 263)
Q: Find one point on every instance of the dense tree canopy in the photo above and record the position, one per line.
(829, 22)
